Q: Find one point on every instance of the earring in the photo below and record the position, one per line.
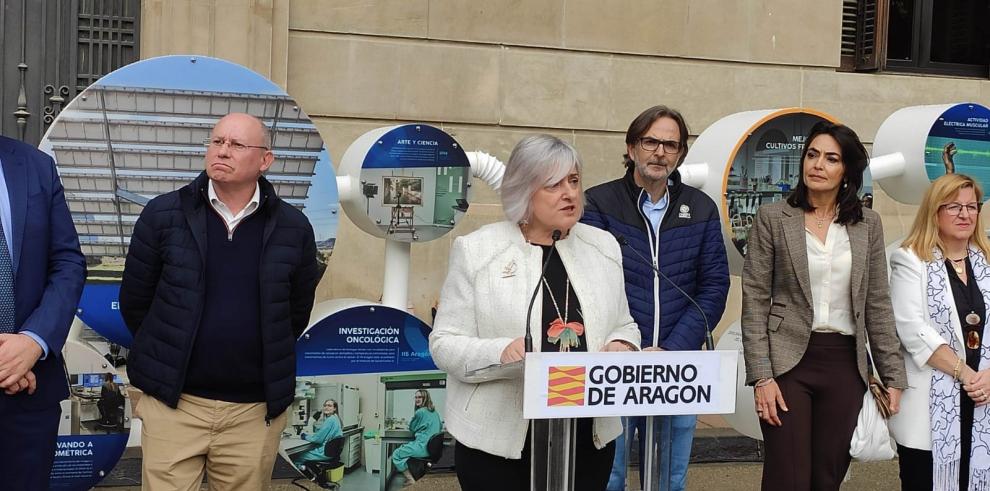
(845, 184)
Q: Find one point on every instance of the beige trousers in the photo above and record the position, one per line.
(229, 442)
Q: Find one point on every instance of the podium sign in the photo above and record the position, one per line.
(646, 383)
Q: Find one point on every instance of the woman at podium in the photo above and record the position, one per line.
(814, 287)
(580, 305)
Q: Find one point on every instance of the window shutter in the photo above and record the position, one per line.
(850, 8)
(864, 35)
(871, 35)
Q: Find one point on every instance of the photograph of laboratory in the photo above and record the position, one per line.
(415, 203)
(97, 405)
(368, 431)
(767, 165)
(766, 168)
(99, 402)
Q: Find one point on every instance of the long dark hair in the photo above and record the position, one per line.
(854, 160)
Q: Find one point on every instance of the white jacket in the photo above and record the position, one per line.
(911, 427)
(483, 303)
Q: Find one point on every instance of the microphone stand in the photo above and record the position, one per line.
(543, 431)
(667, 427)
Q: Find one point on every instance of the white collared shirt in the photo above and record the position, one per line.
(830, 272)
(229, 218)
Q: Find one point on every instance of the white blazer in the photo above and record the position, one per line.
(911, 427)
(483, 303)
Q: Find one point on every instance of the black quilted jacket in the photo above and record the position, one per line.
(162, 292)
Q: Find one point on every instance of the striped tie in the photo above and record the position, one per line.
(6, 286)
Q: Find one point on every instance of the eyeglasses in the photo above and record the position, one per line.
(652, 144)
(235, 145)
(955, 209)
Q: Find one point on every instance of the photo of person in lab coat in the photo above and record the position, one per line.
(329, 429)
(329, 411)
(424, 424)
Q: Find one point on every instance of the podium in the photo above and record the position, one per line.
(559, 387)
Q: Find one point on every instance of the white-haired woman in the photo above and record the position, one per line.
(482, 316)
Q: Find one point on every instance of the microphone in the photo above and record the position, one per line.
(709, 342)
(528, 340)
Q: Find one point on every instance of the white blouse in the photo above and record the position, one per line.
(830, 271)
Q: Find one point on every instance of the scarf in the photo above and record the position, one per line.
(945, 393)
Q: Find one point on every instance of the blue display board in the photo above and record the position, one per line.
(95, 423)
(366, 339)
(369, 366)
(415, 145)
(81, 461)
(99, 308)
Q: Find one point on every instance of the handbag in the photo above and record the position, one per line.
(880, 397)
(871, 440)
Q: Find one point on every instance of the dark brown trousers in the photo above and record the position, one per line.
(824, 392)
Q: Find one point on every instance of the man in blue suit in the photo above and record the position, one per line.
(41, 277)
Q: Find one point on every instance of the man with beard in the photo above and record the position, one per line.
(677, 228)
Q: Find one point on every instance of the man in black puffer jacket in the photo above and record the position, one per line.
(676, 228)
(218, 284)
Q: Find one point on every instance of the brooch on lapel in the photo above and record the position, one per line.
(509, 270)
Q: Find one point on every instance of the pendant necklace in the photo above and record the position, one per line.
(959, 265)
(973, 335)
(972, 318)
(821, 220)
(564, 334)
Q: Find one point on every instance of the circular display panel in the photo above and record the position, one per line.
(408, 183)
(916, 145)
(959, 141)
(140, 131)
(765, 166)
(753, 158)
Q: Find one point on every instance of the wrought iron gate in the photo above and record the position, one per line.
(50, 50)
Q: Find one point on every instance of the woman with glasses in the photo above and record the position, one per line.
(671, 235)
(329, 429)
(814, 288)
(329, 411)
(940, 287)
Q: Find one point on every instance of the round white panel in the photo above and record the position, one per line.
(754, 158)
(406, 183)
(934, 140)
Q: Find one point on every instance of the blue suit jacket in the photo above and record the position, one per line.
(49, 267)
